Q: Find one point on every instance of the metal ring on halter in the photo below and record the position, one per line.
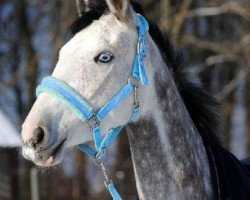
(99, 160)
(93, 122)
(108, 182)
(142, 48)
(134, 81)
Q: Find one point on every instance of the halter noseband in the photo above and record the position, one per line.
(69, 96)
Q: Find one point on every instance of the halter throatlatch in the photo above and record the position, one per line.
(85, 112)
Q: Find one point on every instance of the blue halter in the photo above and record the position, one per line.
(85, 112)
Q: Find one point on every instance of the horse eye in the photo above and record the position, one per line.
(104, 57)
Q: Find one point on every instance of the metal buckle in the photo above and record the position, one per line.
(108, 182)
(101, 156)
(99, 162)
(134, 81)
(142, 48)
(93, 122)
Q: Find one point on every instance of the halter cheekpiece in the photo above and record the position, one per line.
(76, 103)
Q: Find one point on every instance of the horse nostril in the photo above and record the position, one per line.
(38, 137)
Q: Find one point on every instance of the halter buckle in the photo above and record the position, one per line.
(93, 122)
(101, 156)
(142, 48)
(108, 182)
(134, 81)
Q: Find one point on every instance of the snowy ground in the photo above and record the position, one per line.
(9, 137)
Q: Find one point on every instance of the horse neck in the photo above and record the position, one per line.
(169, 158)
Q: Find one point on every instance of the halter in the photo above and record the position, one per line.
(85, 112)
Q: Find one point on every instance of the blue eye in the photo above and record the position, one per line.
(104, 57)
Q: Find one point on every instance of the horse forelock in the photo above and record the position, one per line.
(93, 11)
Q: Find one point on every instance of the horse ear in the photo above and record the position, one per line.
(120, 8)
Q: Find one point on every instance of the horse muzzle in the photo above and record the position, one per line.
(40, 152)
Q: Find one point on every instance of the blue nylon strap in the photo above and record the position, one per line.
(134, 115)
(113, 133)
(125, 91)
(143, 76)
(67, 94)
(139, 70)
(143, 25)
(136, 72)
(113, 192)
(86, 149)
(97, 137)
(110, 137)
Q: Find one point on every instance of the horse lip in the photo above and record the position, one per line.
(52, 152)
(58, 148)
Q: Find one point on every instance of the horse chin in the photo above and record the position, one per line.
(46, 158)
(46, 163)
(51, 161)
(55, 157)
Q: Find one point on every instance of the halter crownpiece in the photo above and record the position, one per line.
(77, 104)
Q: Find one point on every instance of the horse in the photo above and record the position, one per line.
(175, 151)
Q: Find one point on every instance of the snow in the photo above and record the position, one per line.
(9, 137)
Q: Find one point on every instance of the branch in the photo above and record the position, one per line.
(222, 58)
(221, 48)
(233, 84)
(230, 7)
(31, 53)
(217, 59)
(165, 10)
(179, 19)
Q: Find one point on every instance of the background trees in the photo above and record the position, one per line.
(213, 34)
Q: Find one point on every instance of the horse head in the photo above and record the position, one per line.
(96, 63)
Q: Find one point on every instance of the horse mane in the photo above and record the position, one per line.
(202, 107)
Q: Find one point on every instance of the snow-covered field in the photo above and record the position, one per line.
(9, 137)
